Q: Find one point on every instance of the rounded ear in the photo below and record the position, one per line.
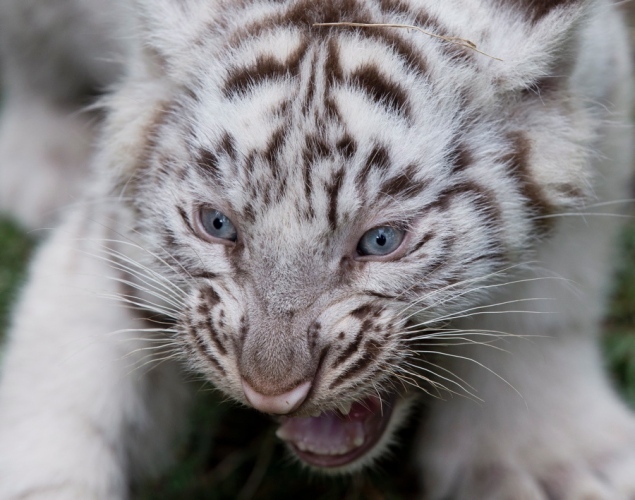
(169, 29)
(537, 40)
(540, 43)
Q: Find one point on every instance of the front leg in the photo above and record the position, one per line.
(77, 414)
(563, 435)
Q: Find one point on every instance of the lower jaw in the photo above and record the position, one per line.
(375, 427)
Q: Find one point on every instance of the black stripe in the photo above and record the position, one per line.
(209, 294)
(447, 196)
(213, 335)
(200, 347)
(228, 146)
(186, 219)
(403, 185)
(333, 191)
(381, 89)
(407, 52)
(426, 238)
(202, 274)
(460, 159)
(332, 66)
(249, 213)
(419, 18)
(266, 68)
(381, 295)
(273, 148)
(207, 164)
(350, 349)
(378, 159)
(362, 312)
(313, 334)
(440, 261)
(347, 146)
(303, 14)
(373, 350)
(310, 86)
(314, 148)
(518, 160)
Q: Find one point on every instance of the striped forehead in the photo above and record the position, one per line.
(307, 114)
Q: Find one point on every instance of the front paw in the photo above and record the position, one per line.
(561, 468)
(562, 481)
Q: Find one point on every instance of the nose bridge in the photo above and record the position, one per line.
(286, 283)
(289, 284)
(276, 352)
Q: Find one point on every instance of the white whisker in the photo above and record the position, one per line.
(153, 275)
(142, 330)
(158, 361)
(156, 349)
(136, 286)
(445, 370)
(477, 289)
(130, 242)
(465, 358)
(140, 305)
(584, 214)
(453, 382)
(462, 313)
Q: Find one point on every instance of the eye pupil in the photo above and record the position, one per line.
(381, 240)
(218, 223)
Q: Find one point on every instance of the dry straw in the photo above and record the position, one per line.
(462, 42)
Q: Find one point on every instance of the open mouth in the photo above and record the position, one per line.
(337, 438)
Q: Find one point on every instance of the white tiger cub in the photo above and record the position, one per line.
(326, 221)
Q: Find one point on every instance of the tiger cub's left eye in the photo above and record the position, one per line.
(380, 241)
(217, 225)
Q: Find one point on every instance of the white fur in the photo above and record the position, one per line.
(80, 417)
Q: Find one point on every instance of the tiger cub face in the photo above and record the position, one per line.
(325, 196)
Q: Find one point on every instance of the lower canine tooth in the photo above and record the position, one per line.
(282, 434)
(346, 408)
(316, 413)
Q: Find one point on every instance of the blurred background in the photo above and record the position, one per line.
(231, 452)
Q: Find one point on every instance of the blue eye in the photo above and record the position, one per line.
(217, 225)
(380, 241)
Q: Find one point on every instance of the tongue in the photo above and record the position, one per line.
(334, 439)
(329, 434)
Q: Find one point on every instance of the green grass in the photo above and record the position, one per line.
(15, 248)
(232, 453)
(620, 323)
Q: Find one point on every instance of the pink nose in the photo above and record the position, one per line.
(280, 404)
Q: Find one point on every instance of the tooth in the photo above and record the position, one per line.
(300, 445)
(316, 413)
(345, 408)
(282, 433)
